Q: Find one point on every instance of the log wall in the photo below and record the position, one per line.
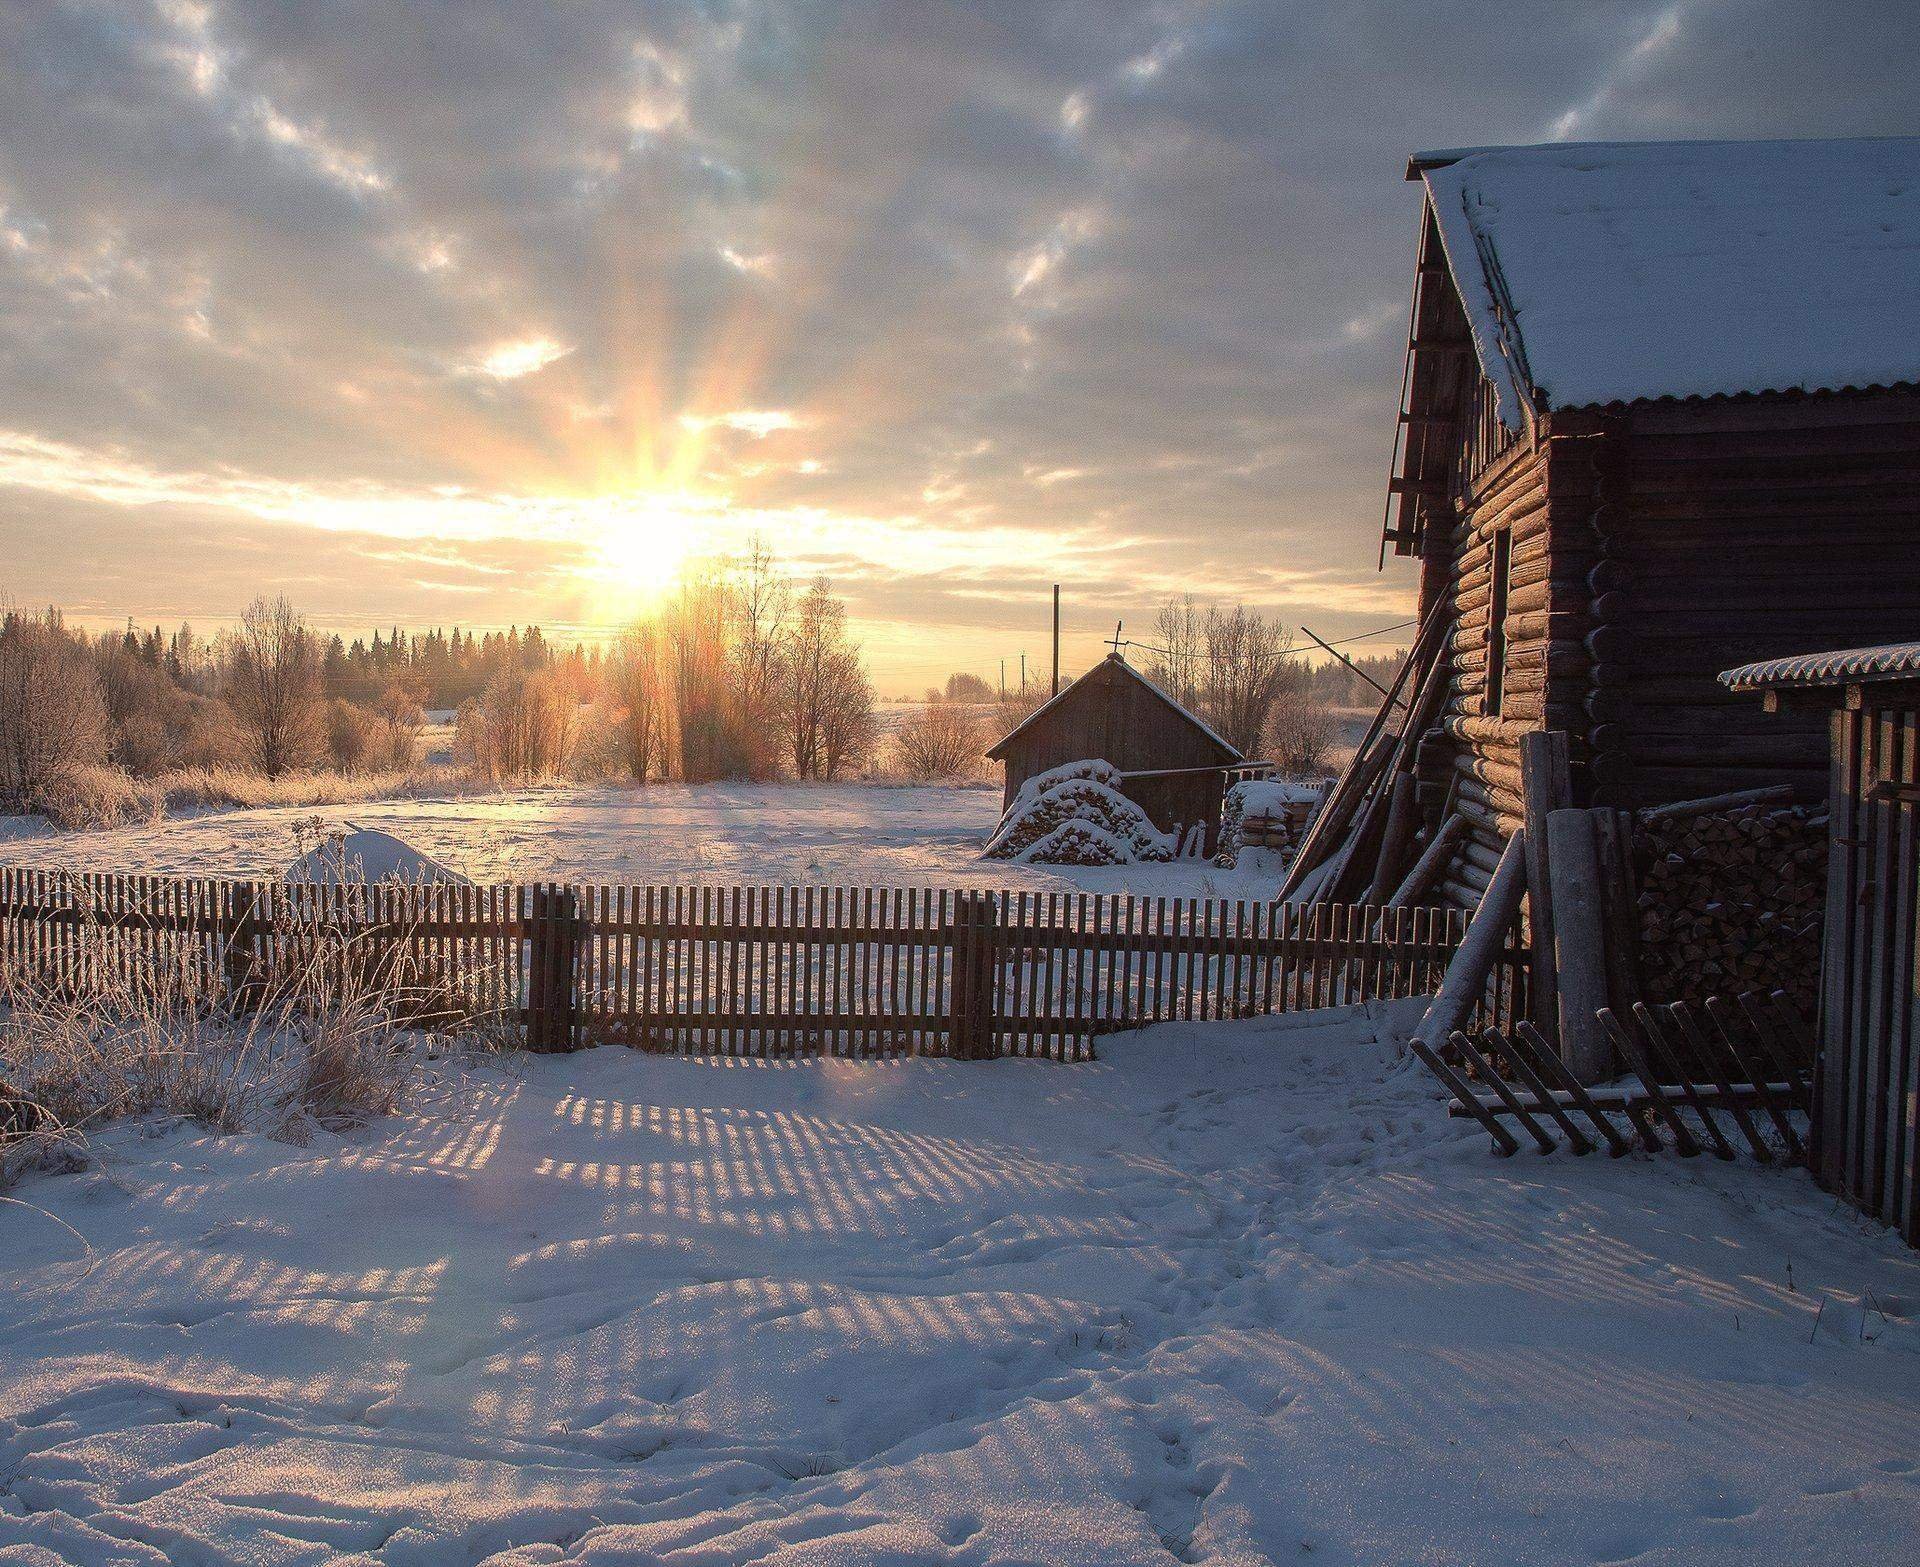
(1738, 530)
(1653, 547)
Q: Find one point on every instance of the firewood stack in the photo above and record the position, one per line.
(1732, 900)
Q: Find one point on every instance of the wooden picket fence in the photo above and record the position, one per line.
(765, 971)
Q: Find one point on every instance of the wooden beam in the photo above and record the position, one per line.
(1579, 945)
(1465, 981)
(1546, 786)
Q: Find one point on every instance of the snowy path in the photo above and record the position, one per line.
(1234, 1294)
(772, 834)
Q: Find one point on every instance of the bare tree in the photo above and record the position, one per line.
(825, 701)
(940, 740)
(1176, 664)
(637, 683)
(402, 717)
(1301, 729)
(521, 727)
(1245, 657)
(53, 717)
(697, 624)
(272, 683)
(966, 687)
(760, 605)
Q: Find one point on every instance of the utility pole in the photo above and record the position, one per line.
(1003, 680)
(1056, 639)
(1023, 677)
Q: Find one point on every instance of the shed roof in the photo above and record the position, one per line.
(1611, 272)
(1113, 664)
(1848, 666)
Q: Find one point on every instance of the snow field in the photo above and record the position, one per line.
(842, 835)
(1236, 1293)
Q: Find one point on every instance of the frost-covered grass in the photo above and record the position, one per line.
(789, 834)
(107, 797)
(1237, 1293)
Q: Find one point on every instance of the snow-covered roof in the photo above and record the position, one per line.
(1113, 663)
(1848, 666)
(1609, 272)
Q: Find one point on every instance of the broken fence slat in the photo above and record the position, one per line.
(1666, 1058)
(1726, 1025)
(1543, 1097)
(1504, 1140)
(1703, 1047)
(1530, 1039)
(1629, 1048)
(1471, 1055)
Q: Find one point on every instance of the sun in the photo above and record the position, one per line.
(641, 543)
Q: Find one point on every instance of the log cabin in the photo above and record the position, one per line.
(1659, 416)
(1172, 763)
(1866, 1112)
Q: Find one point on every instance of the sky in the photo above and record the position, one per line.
(491, 312)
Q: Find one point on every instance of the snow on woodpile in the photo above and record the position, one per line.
(364, 856)
(1609, 271)
(1266, 813)
(1075, 814)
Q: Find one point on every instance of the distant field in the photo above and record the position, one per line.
(845, 834)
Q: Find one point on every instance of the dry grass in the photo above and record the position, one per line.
(88, 797)
(327, 1036)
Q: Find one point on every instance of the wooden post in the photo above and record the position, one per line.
(1579, 946)
(1620, 909)
(553, 937)
(974, 961)
(1546, 787)
(1466, 977)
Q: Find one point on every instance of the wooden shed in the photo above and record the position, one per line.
(1866, 1114)
(1659, 417)
(1172, 763)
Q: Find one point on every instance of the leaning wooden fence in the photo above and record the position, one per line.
(768, 971)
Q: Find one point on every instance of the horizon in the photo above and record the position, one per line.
(951, 303)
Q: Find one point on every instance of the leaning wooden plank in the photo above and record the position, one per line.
(1665, 1058)
(1480, 1064)
(1784, 1055)
(1432, 861)
(1636, 1058)
(1530, 1040)
(1703, 1049)
(1465, 981)
(1543, 1097)
(1394, 841)
(1334, 812)
(1461, 1090)
(1756, 1069)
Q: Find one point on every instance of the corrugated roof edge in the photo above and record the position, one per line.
(1843, 666)
(1764, 394)
(1441, 157)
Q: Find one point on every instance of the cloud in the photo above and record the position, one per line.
(310, 278)
(756, 422)
(517, 357)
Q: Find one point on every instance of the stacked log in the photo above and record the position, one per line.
(1732, 900)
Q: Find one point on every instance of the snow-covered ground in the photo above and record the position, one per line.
(772, 834)
(1237, 1293)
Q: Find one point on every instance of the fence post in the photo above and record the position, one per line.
(553, 937)
(240, 936)
(974, 962)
